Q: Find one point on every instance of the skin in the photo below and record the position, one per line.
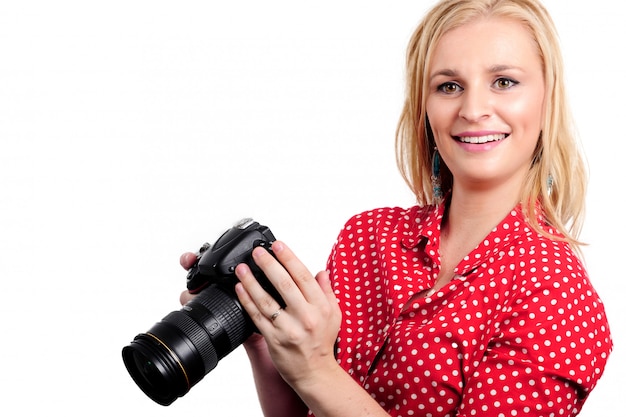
(486, 79)
(488, 88)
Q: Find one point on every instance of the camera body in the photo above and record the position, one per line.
(178, 351)
(216, 263)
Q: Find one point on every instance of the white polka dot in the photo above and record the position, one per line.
(520, 308)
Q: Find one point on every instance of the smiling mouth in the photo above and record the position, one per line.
(481, 139)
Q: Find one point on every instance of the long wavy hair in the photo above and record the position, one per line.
(557, 178)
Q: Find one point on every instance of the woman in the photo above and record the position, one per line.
(473, 302)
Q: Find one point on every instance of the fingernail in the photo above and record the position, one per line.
(241, 269)
(277, 246)
(257, 252)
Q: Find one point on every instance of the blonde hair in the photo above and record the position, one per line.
(557, 178)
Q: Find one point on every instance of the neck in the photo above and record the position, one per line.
(473, 214)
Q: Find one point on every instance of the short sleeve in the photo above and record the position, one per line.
(552, 345)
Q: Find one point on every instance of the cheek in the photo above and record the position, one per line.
(440, 115)
(528, 112)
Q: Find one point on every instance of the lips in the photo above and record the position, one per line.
(482, 138)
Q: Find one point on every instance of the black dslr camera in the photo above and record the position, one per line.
(177, 352)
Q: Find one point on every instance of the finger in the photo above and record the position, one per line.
(255, 300)
(187, 259)
(263, 301)
(299, 273)
(323, 279)
(279, 277)
(185, 297)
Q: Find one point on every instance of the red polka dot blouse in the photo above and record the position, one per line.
(519, 331)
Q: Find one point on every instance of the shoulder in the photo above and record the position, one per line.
(387, 218)
(547, 255)
(553, 285)
(369, 234)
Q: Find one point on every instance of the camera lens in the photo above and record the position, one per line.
(177, 352)
(150, 375)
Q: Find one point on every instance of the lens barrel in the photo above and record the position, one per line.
(177, 352)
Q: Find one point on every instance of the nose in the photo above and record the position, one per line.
(475, 104)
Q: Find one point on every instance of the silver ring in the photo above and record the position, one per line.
(273, 316)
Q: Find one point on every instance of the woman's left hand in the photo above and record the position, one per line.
(301, 336)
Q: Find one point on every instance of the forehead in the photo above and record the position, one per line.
(487, 41)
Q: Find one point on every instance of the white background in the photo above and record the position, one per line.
(132, 131)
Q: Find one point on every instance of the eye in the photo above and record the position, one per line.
(449, 88)
(505, 83)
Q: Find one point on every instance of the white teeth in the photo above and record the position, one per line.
(481, 139)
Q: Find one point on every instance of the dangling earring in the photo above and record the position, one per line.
(550, 183)
(436, 177)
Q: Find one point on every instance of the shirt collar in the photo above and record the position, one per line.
(422, 225)
(497, 243)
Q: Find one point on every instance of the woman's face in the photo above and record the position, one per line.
(485, 102)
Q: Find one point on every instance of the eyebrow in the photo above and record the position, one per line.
(444, 72)
(504, 67)
(447, 72)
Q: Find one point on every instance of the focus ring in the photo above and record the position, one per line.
(197, 335)
(226, 311)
